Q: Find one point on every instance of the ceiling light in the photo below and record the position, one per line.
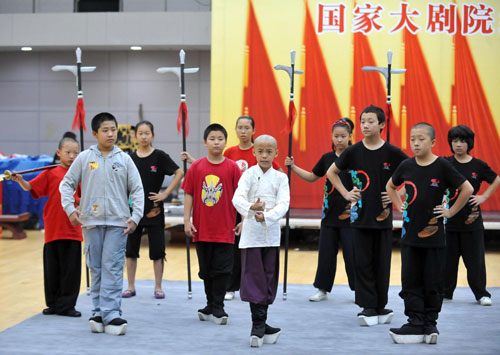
(136, 48)
(26, 49)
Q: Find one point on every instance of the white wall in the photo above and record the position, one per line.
(37, 105)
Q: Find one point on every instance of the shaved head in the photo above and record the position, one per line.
(265, 138)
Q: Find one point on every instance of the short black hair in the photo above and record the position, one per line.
(66, 139)
(374, 109)
(100, 118)
(461, 132)
(214, 127)
(430, 129)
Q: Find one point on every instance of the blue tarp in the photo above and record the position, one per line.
(14, 199)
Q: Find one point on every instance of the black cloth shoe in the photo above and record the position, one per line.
(271, 330)
(70, 313)
(368, 312)
(408, 329)
(219, 313)
(117, 321)
(408, 334)
(383, 311)
(207, 310)
(49, 311)
(97, 319)
(431, 334)
(259, 316)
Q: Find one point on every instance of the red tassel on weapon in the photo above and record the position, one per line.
(79, 115)
(182, 108)
(292, 113)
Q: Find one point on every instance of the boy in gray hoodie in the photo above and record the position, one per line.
(108, 177)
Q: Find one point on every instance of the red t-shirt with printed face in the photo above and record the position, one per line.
(57, 224)
(212, 187)
(244, 157)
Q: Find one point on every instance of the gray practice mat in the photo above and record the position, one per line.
(171, 326)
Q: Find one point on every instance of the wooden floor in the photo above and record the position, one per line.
(21, 273)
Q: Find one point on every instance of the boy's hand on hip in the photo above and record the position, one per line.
(386, 200)
(131, 227)
(354, 195)
(74, 218)
(442, 211)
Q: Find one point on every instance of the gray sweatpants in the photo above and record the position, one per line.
(105, 252)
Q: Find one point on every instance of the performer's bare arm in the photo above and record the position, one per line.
(189, 229)
(466, 190)
(476, 200)
(303, 174)
(158, 197)
(394, 196)
(333, 175)
(26, 186)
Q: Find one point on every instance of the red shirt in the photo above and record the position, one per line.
(244, 157)
(57, 224)
(212, 187)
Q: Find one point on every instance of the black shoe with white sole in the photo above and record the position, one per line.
(408, 334)
(96, 325)
(117, 326)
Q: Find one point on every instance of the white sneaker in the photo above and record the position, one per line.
(484, 301)
(320, 295)
(229, 296)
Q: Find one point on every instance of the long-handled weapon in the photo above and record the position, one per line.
(182, 122)
(7, 174)
(79, 120)
(289, 128)
(386, 72)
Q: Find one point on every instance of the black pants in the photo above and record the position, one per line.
(329, 239)
(422, 279)
(373, 251)
(234, 280)
(215, 262)
(62, 263)
(156, 237)
(469, 245)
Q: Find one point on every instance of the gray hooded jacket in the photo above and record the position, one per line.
(107, 183)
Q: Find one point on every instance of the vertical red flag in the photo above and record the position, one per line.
(79, 115)
(420, 96)
(470, 107)
(367, 88)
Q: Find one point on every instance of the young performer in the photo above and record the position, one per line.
(370, 163)
(153, 164)
(262, 198)
(62, 250)
(108, 177)
(426, 178)
(335, 227)
(465, 230)
(241, 154)
(209, 186)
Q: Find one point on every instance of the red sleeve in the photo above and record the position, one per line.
(78, 195)
(237, 175)
(39, 185)
(276, 165)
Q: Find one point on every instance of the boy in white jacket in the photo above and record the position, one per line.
(262, 198)
(108, 176)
